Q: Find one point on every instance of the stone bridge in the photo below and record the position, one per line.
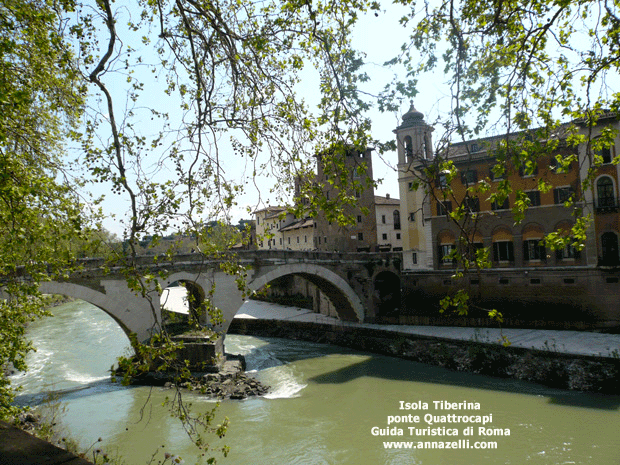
(357, 284)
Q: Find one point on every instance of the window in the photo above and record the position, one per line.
(559, 167)
(412, 216)
(533, 250)
(472, 204)
(325, 239)
(503, 251)
(384, 237)
(257, 220)
(280, 241)
(534, 197)
(357, 194)
(397, 236)
(442, 181)
(410, 186)
(443, 208)
(383, 219)
(319, 240)
(505, 205)
(408, 147)
(496, 173)
(360, 236)
(396, 215)
(305, 238)
(605, 154)
(609, 249)
(414, 258)
(359, 218)
(475, 148)
(289, 240)
(562, 194)
(605, 193)
(444, 253)
(469, 177)
(567, 253)
(298, 239)
(528, 169)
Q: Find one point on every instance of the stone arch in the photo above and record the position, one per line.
(387, 295)
(532, 231)
(195, 286)
(347, 303)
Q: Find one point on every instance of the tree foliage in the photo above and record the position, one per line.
(218, 85)
(40, 99)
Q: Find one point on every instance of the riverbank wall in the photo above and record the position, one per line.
(548, 367)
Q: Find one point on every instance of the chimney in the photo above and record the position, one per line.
(387, 196)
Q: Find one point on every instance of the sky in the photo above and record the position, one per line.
(380, 38)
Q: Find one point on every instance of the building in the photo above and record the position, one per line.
(299, 235)
(414, 145)
(389, 231)
(376, 220)
(361, 236)
(269, 221)
(489, 221)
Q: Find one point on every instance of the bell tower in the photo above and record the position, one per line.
(415, 151)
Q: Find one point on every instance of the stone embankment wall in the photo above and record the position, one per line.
(550, 368)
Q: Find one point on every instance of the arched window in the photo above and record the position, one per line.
(408, 147)
(445, 247)
(533, 247)
(503, 246)
(396, 219)
(605, 193)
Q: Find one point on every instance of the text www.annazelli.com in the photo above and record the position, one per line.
(460, 444)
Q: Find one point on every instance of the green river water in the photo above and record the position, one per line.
(323, 408)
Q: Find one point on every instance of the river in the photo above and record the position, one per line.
(324, 405)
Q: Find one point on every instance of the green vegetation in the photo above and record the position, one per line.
(80, 76)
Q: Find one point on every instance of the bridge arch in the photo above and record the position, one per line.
(387, 294)
(121, 311)
(195, 293)
(345, 299)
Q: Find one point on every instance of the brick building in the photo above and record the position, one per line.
(362, 235)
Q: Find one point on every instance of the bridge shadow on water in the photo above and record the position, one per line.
(380, 366)
(393, 368)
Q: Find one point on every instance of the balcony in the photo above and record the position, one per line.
(604, 205)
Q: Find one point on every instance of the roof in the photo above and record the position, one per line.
(305, 223)
(277, 209)
(476, 149)
(379, 200)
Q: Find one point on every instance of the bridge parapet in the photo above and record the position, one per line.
(246, 256)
